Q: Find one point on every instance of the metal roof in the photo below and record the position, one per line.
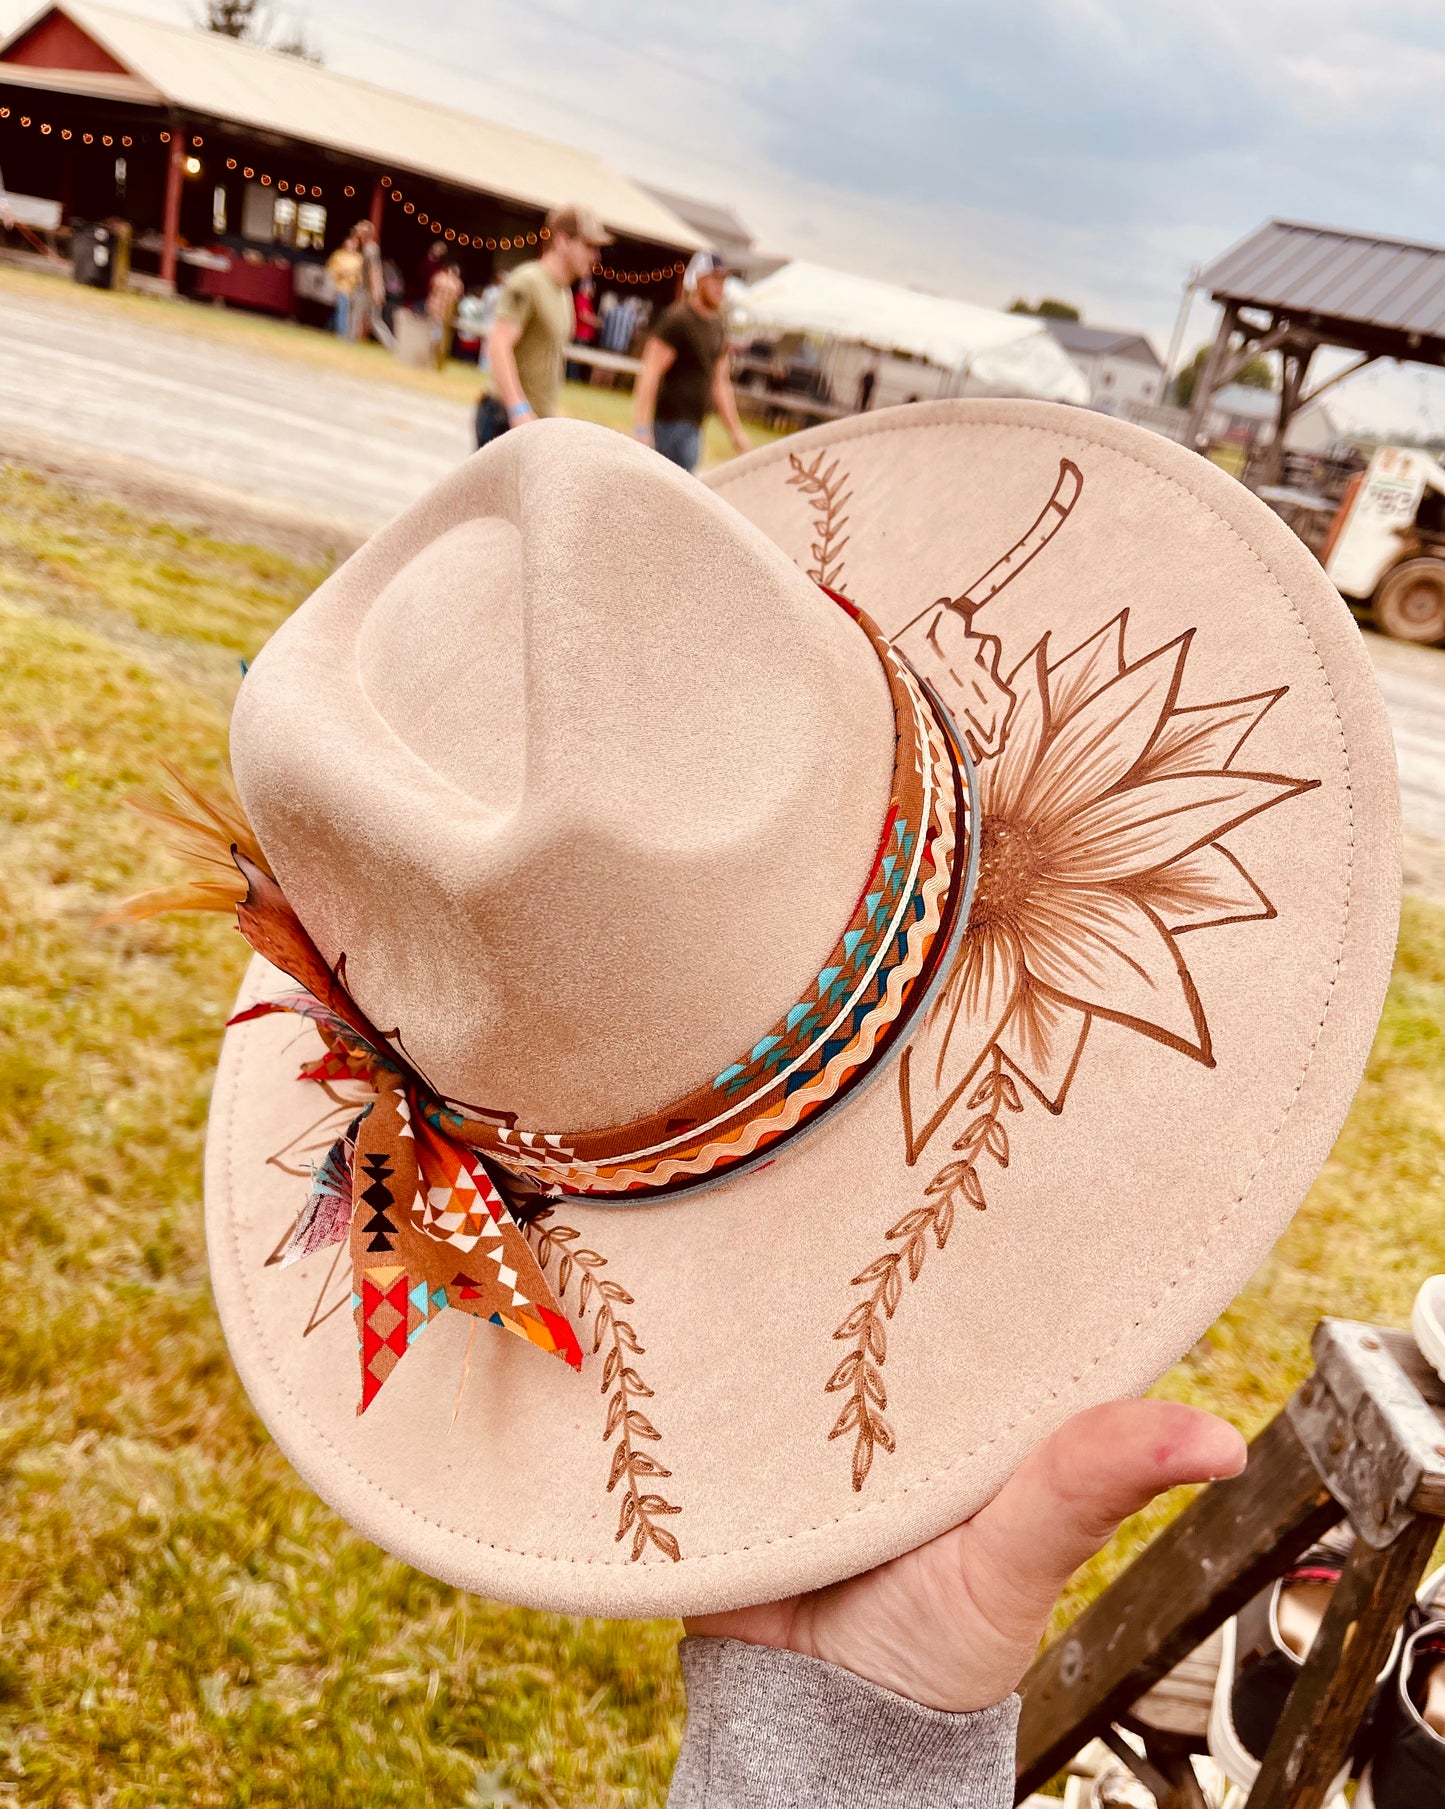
(1395, 284)
(203, 73)
(1119, 342)
(719, 225)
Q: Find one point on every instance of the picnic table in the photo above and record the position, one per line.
(617, 363)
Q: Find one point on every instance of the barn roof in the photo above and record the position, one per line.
(1120, 342)
(203, 73)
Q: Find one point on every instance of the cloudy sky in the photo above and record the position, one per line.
(1091, 149)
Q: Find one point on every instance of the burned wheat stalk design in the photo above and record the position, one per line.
(621, 1382)
(860, 1374)
(823, 488)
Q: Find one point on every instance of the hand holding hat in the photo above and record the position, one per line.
(956, 1623)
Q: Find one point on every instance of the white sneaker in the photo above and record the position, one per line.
(1427, 1322)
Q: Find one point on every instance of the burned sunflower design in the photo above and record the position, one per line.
(1104, 804)
(1100, 847)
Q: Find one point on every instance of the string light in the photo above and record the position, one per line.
(282, 184)
(638, 276)
(454, 235)
(515, 242)
(107, 141)
(67, 135)
(66, 132)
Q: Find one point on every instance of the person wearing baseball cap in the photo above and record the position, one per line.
(535, 322)
(685, 369)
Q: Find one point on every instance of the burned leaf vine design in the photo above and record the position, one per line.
(982, 1136)
(824, 489)
(860, 1374)
(641, 1509)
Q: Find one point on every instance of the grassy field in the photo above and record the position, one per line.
(183, 1623)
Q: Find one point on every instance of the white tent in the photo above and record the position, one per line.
(990, 352)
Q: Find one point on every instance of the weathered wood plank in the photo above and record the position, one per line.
(1232, 1539)
(1334, 1688)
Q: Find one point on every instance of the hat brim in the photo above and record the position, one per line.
(1082, 1155)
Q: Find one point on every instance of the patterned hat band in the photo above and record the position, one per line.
(884, 967)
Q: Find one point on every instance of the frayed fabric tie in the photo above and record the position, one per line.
(428, 1227)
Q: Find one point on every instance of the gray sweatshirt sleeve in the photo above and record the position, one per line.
(774, 1730)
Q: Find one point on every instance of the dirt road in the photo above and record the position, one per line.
(317, 441)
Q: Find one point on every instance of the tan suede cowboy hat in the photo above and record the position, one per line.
(759, 1069)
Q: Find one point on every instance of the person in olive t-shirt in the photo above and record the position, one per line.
(533, 324)
(685, 370)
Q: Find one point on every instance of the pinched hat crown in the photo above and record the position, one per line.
(580, 775)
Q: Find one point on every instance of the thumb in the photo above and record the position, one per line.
(1069, 1495)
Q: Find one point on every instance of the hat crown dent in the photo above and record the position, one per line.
(577, 770)
(455, 702)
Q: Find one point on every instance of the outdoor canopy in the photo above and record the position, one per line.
(999, 354)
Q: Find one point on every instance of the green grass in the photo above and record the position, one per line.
(180, 1620)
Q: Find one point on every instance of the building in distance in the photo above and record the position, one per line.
(1120, 366)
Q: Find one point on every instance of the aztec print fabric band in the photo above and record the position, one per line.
(417, 1187)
